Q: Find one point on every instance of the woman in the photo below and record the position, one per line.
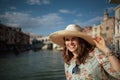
(86, 58)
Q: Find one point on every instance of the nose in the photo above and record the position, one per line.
(71, 42)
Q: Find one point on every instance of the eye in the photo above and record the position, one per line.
(74, 39)
(66, 39)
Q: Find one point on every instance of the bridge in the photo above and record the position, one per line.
(48, 44)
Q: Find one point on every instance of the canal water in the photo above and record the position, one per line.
(39, 65)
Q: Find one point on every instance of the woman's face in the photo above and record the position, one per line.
(72, 43)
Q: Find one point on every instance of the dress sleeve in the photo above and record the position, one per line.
(105, 63)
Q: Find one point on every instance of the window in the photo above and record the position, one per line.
(118, 44)
(117, 27)
(107, 28)
(119, 14)
(95, 29)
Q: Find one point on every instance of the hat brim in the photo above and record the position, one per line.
(58, 36)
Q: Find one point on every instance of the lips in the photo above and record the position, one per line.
(72, 47)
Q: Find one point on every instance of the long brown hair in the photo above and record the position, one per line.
(85, 48)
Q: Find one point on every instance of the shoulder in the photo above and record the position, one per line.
(94, 51)
(97, 51)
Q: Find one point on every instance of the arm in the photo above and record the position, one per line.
(100, 43)
(105, 63)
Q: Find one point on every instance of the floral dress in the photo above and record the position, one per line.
(96, 67)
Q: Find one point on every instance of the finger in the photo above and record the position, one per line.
(101, 37)
(95, 42)
(98, 39)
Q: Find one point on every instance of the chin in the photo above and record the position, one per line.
(73, 50)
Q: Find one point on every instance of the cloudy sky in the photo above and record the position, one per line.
(42, 17)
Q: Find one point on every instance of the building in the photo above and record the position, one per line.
(117, 24)
(107, 28)
(87, 30)
(11, 38)
(117, 27)
(115, 1)
(96, 30)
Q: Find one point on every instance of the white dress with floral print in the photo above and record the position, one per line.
(96, 67)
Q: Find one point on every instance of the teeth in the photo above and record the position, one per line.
(71, 47)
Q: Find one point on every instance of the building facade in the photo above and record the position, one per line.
(117, 27)
(11, 37)
(107, 28)
(96, 30)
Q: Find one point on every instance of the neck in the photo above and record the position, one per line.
(75, 55)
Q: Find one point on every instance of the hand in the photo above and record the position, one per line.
(100, 43)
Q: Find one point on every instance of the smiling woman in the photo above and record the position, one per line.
(72, 44)
(86, 58)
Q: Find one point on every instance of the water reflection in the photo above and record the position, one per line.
(40, 65)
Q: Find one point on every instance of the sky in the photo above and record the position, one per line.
(42, 17)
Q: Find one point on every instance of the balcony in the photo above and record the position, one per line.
(117, 35)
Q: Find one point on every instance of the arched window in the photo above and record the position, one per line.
(107, 28)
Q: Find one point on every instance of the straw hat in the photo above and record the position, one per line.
(71, 30)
